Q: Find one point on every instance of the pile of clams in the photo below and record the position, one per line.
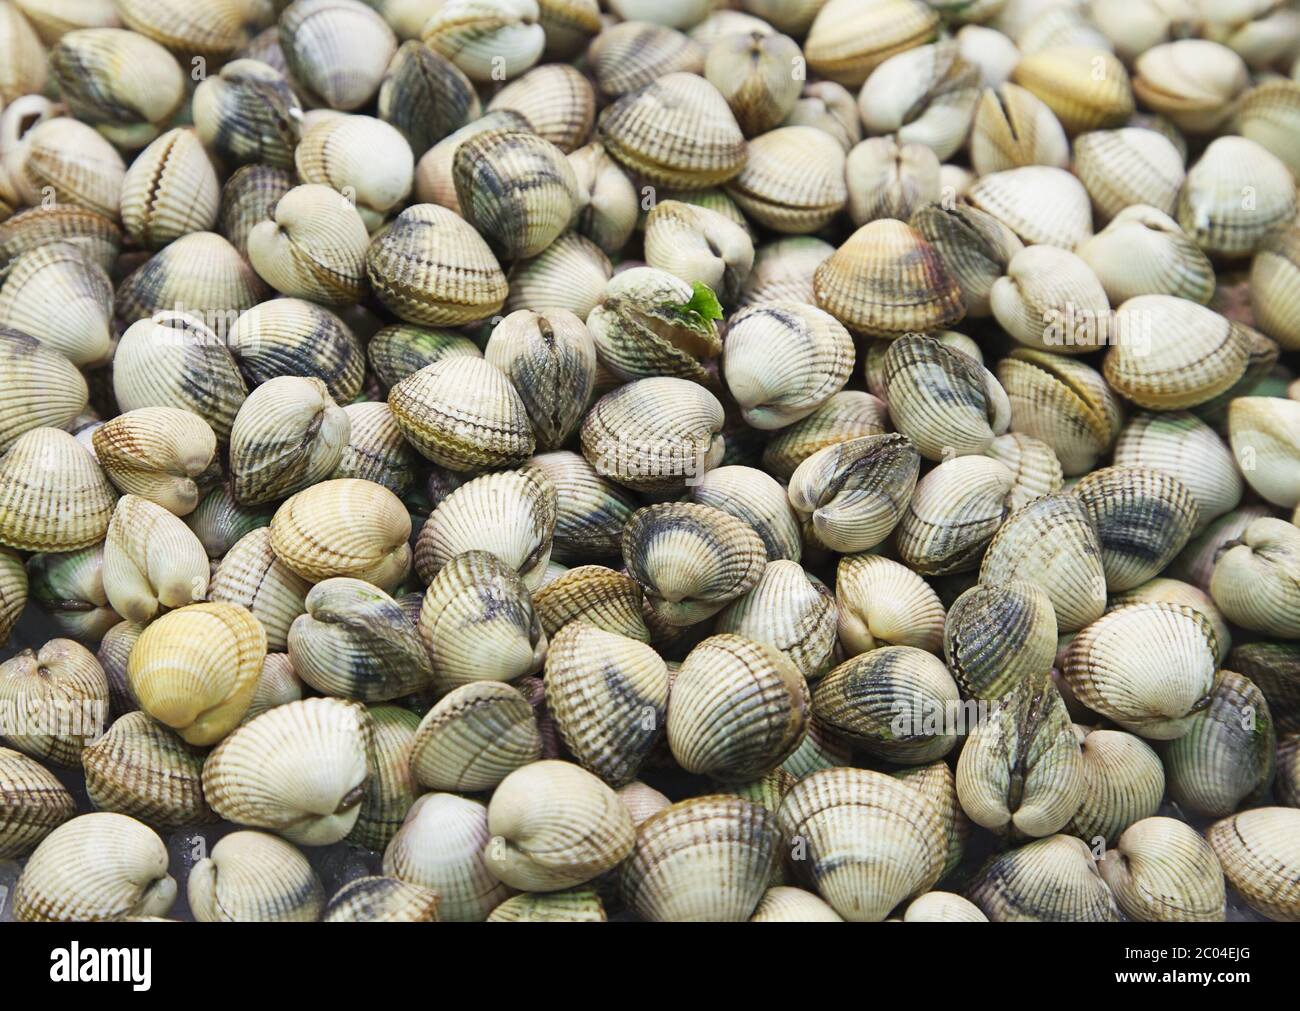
(547, 460)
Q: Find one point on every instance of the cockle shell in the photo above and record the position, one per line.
(53, 495)
(157, 453)
(382, 900)
(1259, 851)
(336, 50)
(58, 295)
(790, 610)
(56, 700)
(255, 877)
(1048, 880)
(36, 803)
(474, 737)
(251, 576)
(152, 560)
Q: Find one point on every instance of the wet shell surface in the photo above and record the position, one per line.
(1259, 855)
(36, 803)
(255, 877)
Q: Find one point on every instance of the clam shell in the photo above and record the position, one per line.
(478, 623)
(1052, 299)
(276, 685)
(1144, 252)
(943, 907)
(488, 39)
(96, 867)
(299, 769)
(248, 198)
(402, 349)
(887, 180)
(1259, 851)
(954, 512)
(41, 387)
(200, 273)
(1035, 469)
(157, 453)
(886, 281)
(880, 602)
(36, 803)
(344, 527)
(632, 54)
(363, 158)
(176, 361)
(1128, 166)
(255, 877)
(893, 702)
(195, 669)
(382, 900)
(753, 73)
(558, 102)
(1046, 881)
(675, 131)
(579, 905)
(376, 450)
(555, 825)
(1051, 542)
(1020, 772)
(704, 859)
(700, 246)
(70, 159)
(759, 500)
(590, 509)
(1156, 682)
(96, 235)
(251, 576)
(1039, 203)
(152, 560)
(431, 267)
(853, 494)
(1087, 87)
(925, 95)
(425, 96)
(998, 635)
(170, 190)
(53, 495)
(312, 245)
(58, 295)
(738, 709)
(975, 247)
(142, 769)
(248, 114)
(1234, 196)
(792, 180)
(391, 788)
(596, 596)
(847, 40)
(336, 50)
(846, 415)
(570, 273)
(1162, 870)
(1014, 127)
(293, 337)
(434, 182)
(474, 737)
(790, 610)
(441, 846)
(13, 591)
(608, 695)
(70, 589)
(937, 782)
(1125, 782)
(691, 559)
(1191, 82)
(1272, 286)
(608, 203)
(1264, 433)
(1254, 581)
(864, 840)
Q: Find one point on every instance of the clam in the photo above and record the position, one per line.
(57, 700)
(975, 247)
(830, 108)
(590, 509)
(336, 50)
(1191, 82)
(1254, 581)
(607, 203)
(699, 246)
(288, 435)
(491, 40)
(1174, 591)
(1287, 785)
(293, 337)
(1048, 880)
(894, 702)
(708, 858)
(936, 781)
(1041, 204)
(1086, 86)
(1259, 851)
(852, 494)
(837, 822)
(570, 274)
(1143, 251)
(70, 160)
(251, 576)
(365, 159)
(924, 95)
(299, 769)
(219, 521)
(248, 114)
(999, 635)
(675, 131)
(880, 602)
(248, 198)
(69, 587)
(402, 349)
(53, 495)
(654, 434)
(195, 669)
(1014, 127)
(478, 623)
(789, 610)
(1234, 196)
(943, 400)
(1162, 870)
(58, 295)
(691, 559)
(474, 737)
(1065, 403)
(886, 281)
(1226, 760)
(95, 867)
(431, 267)
(157, 453)
(954, 512)
(1264, 433)
(754, 73)
(1196, 563)
(276, 685)
(596, 596)
(434, 181)
(1052, 543)
(847, 40)
(1125, 782)
(577, 905)
(170, 190)
(122, 83)
(886, 180)
(425, 96)
(1129, 166)
(511, 514)
(608, 695)
(344, 527)
(312, 245)
(252, 876)
(382, 900)
(440, 846)
(1143, 518)
(1148, 667)
(152, 560)
(25, 62)
(200, 273)
(391, 788)
(1052, 300)
(1272, 286)
(847, 415)
(554, 825)
(631, 54)
(793, 179)
(376, 450)
(558, 102)
(737, 710)
(142, 769)
(783, 904)
(36, 803)
(757, 499)
(1021, 772)
(355, 641)
(13, 590)
(651, 322)
(113, 653)
(943, 907)
(42, 388)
